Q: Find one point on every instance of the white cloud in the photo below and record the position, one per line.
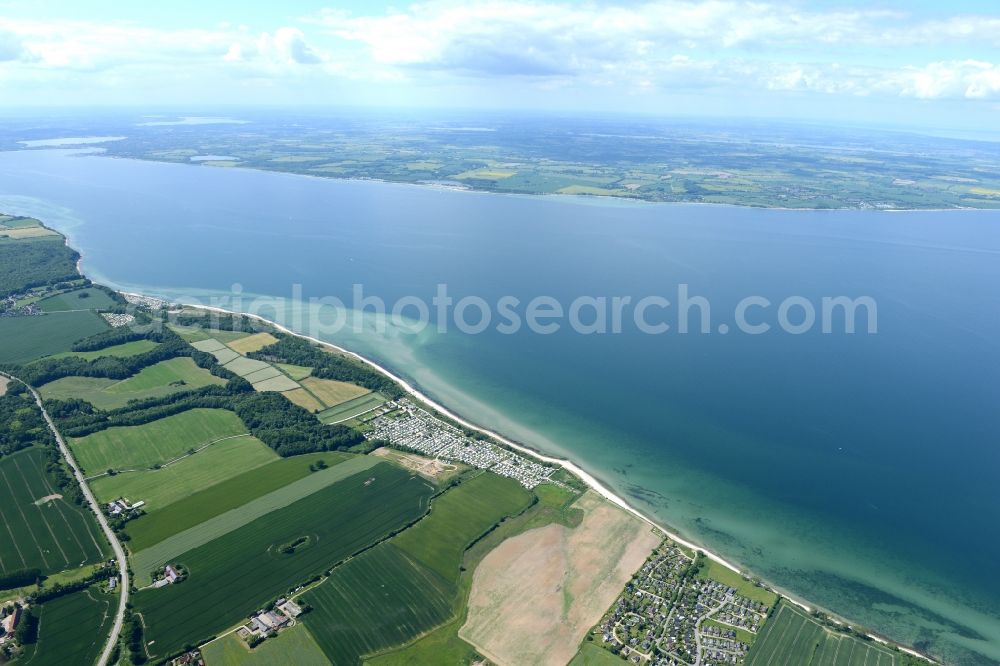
(676, 43)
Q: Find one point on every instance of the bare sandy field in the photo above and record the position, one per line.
(431, 468)
(536, 595)
(3, 385)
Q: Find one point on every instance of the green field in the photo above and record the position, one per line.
(294, 645)
(30, 338)
(396, 592)
(237, 573)
(181, 372)
(89, 298)
(592, 655)
(72, 629)
(161, 487)
(296, 372)
(197, 507)
(125, 350)
(792, 637)
(375, 601)
(154, 443)
(156, 381)
(458, 517)
(52, 535)
(744, 587)
(351, 408)
(218, 526)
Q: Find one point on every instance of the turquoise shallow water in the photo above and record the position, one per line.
(858, 472)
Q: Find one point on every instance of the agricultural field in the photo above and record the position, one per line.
(332, 392)
(296, 372)
(39, 528)
(154, 443)
(792, 637)
(535, 596)
(443, 644)
(252, 343)
(294, 645)
(244, 366)
(337, 522)
(458, 517)
(416, 573)
(178, 372)
(279, 384)
(218, 526)
(305, 399)
(161, 487)
(372, 602)
(155, 381)
(351, 408)
(161, 522)
(72, 629)
(124, 350)
(89, 298)
(29, 338)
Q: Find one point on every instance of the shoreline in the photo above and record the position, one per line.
(591, 481)
(580, 198)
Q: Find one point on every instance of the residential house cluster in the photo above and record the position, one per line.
(669, 615)
(408, 426)
(117, 320)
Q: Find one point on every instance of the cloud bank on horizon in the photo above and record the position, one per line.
(669, 55)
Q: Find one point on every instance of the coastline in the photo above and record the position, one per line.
(592, 482)
(581, 198)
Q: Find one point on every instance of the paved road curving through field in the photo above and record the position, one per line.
(123, 583)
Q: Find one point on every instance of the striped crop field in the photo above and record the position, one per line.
(37, 527)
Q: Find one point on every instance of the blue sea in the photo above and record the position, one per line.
(856, 471)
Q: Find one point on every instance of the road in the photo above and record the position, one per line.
(123, 583)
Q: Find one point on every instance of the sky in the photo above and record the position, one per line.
(916, 63)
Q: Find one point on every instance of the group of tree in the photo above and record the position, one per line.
(36, 263)
(20, 578)
(21, 423)
(298, 351)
